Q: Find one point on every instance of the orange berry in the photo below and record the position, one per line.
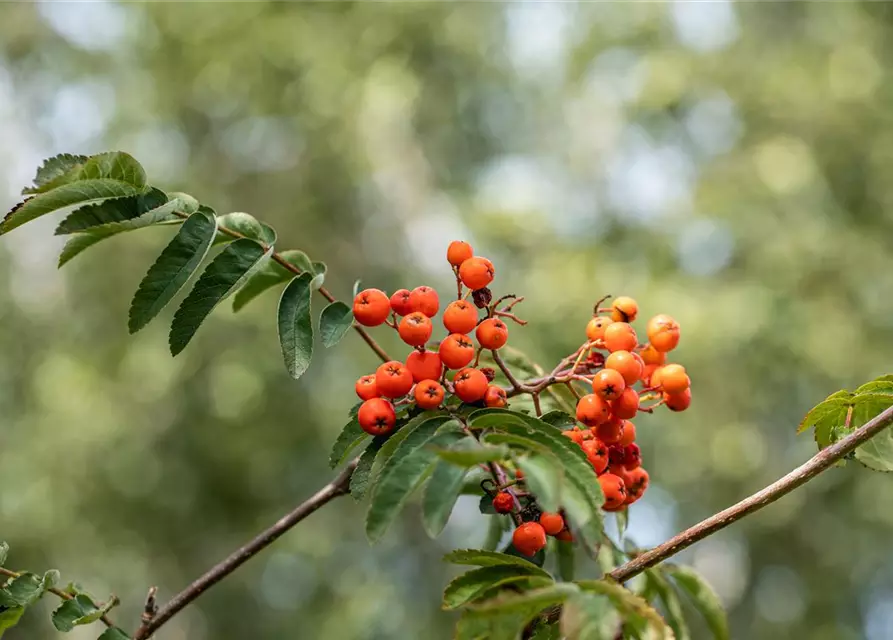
(673, 378)
(636, 484)
(456, 351)
(595, 329)
(460, 316)
(627, 405)
(650, 355)
(371, 307)
(428, 394)
(648, 373)
(503, 502)
(529, 538)
(610, 431)
(476, 273)
(678, 401)
(597, 453)
(425, 300)
(614, 490)
(415, 329)
(365, 388)
(663, 332)
(574, 434)
(626, 365)
(628, 434)
(470, 385)
(552, 523)
(393, 379)
(458, 252)
(424, 365)
(377, 417)
(400, 302)
(592, 410)
(492, 333)
(608, 384)
(565, 536)
(655, 382)
(624, 309)
(495, 396)
(620, 336)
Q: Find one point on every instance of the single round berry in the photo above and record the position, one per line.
(424, 365)
(565, 536)
(592, 410)
(415, 329)
(470, 385)
(617, 456)
(636, 483)
(647, 374)
(595, 329)
(628, 434)
(650, 355)
(424, 300)
(428, 394)
(673, 378)
(458, 252)
(632, 456)
(552, 523)
(663, 332)
(371, 307)
(624, 309)
(627, 405)
(608, 384)
(456, 351)
(476, 273)
(519, 475)
(460, 316)
(614, 490)
(620, 336)
(574, 434)
(656, 381)
(495, 396)
(365, 388)
(503, 502)
(492, 333)
(377, 417)
(393, 379)
(619, 470)
(610, 431)
(529, 538)
(626, 365)
(597, 453)
(678, 401)
(400, 302)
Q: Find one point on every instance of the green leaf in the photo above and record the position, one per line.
(268, 234)
(226, 273)
(538, 558)
(9, 617)
(319, 275)
(702, 597)
(482, 558)
(673, 607)
(506, 616)
(877, 453)
(4, 551)
(172, 269)
(295, 325)
(104, 176)
(827, 414)
(271, 275)
(110, 211)
(496, 418)
(496, 528)
(469, 451)
(334, 322)
(351, 437)
(78, 611)
(441, 493)
(566, 562)
(545, 477)
(473, 584)
(113, 633)
(56, 171)
(400, 476)
(359, 480)
(588, 616)
(883, 384)
(560, 419)
(27, 589)
(243, 223)
(635, 608)
(356, 287)
(428, 421)
(622, 519)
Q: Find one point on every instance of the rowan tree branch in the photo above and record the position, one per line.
(338, 487)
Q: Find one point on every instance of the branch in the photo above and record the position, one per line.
(55, 592)
(823, 460)
(338, 487)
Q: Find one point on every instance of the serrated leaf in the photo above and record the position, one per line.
(484, 558)
(351, 437)
(78, 611)
(877, 453)
(9, 617)
(296, 326)
(430, 421)
(269, 276)
(883, 385)
(441, 493)
(226, 273)
(564, 552)
(4, 552)
(670, 599)
(559, 419)
(107, 175)
(496, 528)
(545, 477)
(538, 558)
(475, 583)
(509, 614)
(359, 479)
(241, 223)
(827, 414)
(56, 171)
(401, 475)
(172, 269)
(27, 589)
(469, 451)
(334, 322)
(588, 616)
(113, 633)
(495, 418)
(110, 211)
(702, 596)
(630, 604)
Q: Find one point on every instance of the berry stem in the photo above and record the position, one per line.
(536, 405)
(516, 386)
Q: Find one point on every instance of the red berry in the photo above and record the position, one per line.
(503, 502)
(627, 405)
(608, 384)
(400, 302)
(365, 388)
(632, 456)
(458, 252)
(565, 536)
(597, 454)
(529, 538)
(574, 434)
(624, 309)
(393, 379)
(610, 431)
(673, 378)
(620, 336)
(678, 401)
(627, 434)
(636, 484)
(456, 351)
(495, 396)
(626, 364)
(614, 490)
(592, 410)
(470, 385)
(425, 300)
(415, 329)
(377, 417)
(476, 273)
(424, 365)
(552, 523)
(371, 307)
(460, 316)
(492, 333)
(428, 394)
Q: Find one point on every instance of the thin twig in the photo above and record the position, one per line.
(516, 386)
(57, 592)
(338, 487)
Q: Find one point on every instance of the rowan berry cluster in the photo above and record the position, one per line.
(422, 379)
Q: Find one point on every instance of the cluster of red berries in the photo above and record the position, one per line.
(529, 537)
(421, 379)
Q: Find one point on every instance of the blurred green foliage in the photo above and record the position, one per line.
(727, 164)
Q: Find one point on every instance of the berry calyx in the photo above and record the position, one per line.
(458, 252)
(595, 329)
(371, 307)
(377, 417)
(552, 523)
(608, 384)
(620, 336)
(529, 538)
(592, 410)
(495, 396)
(428, 394)
(503, 502)
(627, 405)
(415, 329)
(424, 365)
(492, 333)
(614, 490)
(456, 351)
(393, 379)
(624, 309)
(365, 388)
(470, 385)
(400, 302)
(460, 316)
(476, 273)
(424, 300)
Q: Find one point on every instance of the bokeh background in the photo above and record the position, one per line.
(728, 164)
